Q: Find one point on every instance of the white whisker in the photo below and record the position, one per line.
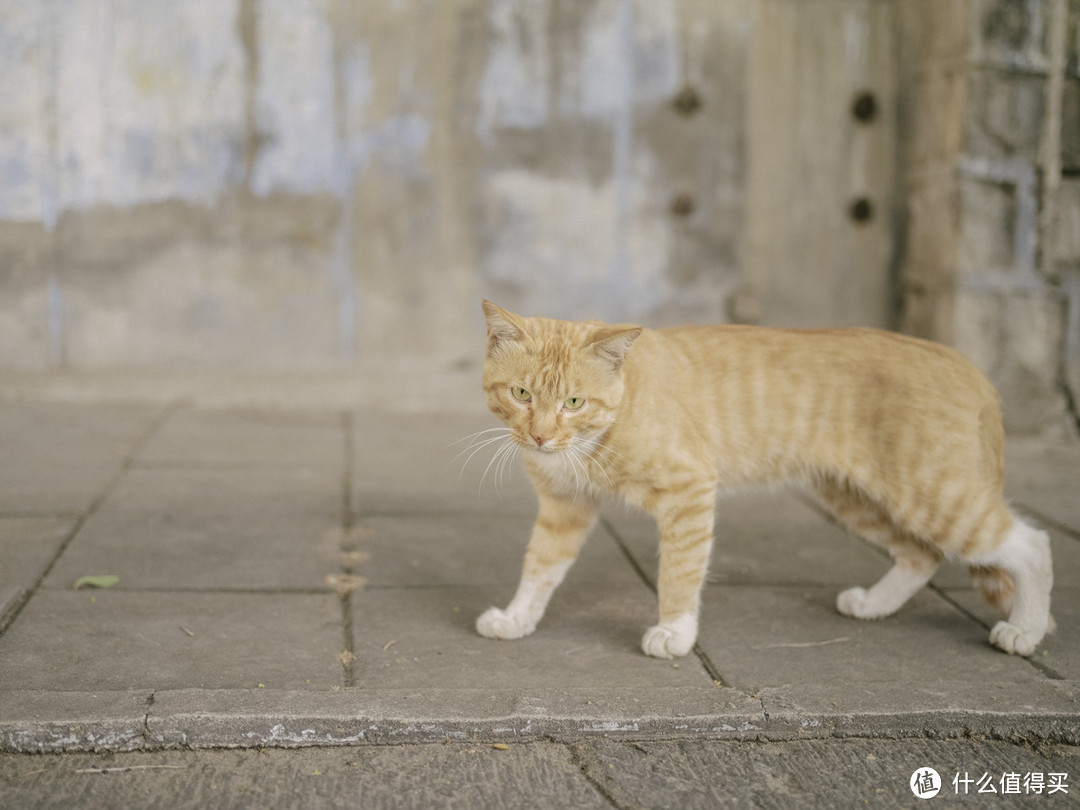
(593, 450)
(479, 447)
(498, 453)
(502, 456)
(474, 436)
(568, 455)
(475, 445)
(509, 453)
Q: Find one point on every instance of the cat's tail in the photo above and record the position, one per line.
(998, 589)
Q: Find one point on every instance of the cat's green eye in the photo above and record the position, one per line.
(574, 403)
(520, 394)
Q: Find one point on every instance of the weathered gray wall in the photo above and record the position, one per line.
(334, 184)
(992, 123)
(294, 183)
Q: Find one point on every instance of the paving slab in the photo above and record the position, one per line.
(249, 438)
(207, 528)
(27, 548)
(769, 636)
(427, 636)
(58, 458)
(72, 641)
(421, 463)
(444, 550)
(474, 550)
(224, 526)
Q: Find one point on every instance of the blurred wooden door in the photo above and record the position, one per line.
(820, 247)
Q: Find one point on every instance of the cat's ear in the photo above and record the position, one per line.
(502, 325)
(613, 344)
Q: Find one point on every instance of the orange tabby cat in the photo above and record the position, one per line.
(899, 438)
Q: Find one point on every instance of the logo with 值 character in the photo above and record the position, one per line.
(925, 783)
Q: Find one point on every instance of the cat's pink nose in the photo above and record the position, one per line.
(540, 440)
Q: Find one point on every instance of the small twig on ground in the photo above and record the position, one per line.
(801, 644)
(123, 768)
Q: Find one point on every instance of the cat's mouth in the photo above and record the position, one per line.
(546, 447)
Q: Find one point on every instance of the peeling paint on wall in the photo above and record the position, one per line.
(295, 110)
(218, 175)
(146, 102)
(546, 228)
(515, 92)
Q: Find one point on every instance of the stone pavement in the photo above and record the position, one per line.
(295, 578)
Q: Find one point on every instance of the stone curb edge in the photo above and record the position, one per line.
(37, 722)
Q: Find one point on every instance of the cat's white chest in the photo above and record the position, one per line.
(568, 474)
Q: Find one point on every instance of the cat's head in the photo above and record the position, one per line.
(554, 383)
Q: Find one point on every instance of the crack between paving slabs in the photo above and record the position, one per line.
(346, 547)
(610, 791)
(126, 463)
(146, 717)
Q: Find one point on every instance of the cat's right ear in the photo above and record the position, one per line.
(502, 326)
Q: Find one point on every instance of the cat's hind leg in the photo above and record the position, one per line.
(1024, 554)
(909, 573)
(914, 560)
(560, 530)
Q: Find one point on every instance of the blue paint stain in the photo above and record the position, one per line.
(55, 304)
(397, 146)
(622, 164)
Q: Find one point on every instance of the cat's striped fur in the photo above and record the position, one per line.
(899, 438)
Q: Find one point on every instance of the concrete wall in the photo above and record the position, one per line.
(296, 184)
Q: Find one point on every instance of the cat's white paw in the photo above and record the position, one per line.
(671, 639)
(855, 602)
(496, 623)
(1012, 639)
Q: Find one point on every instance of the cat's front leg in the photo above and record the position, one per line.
(560, 530)
(686, 522)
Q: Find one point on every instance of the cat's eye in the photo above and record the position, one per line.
(521, 394)
(574, 403)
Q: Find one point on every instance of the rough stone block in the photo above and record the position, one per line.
(1016, 338)
(1009, 32)
(987, 226)
(1004, 114)
(1067, 225)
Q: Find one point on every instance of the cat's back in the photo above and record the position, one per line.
(848, 355)
(829, 394)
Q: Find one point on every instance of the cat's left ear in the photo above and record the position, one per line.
(613, 344)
